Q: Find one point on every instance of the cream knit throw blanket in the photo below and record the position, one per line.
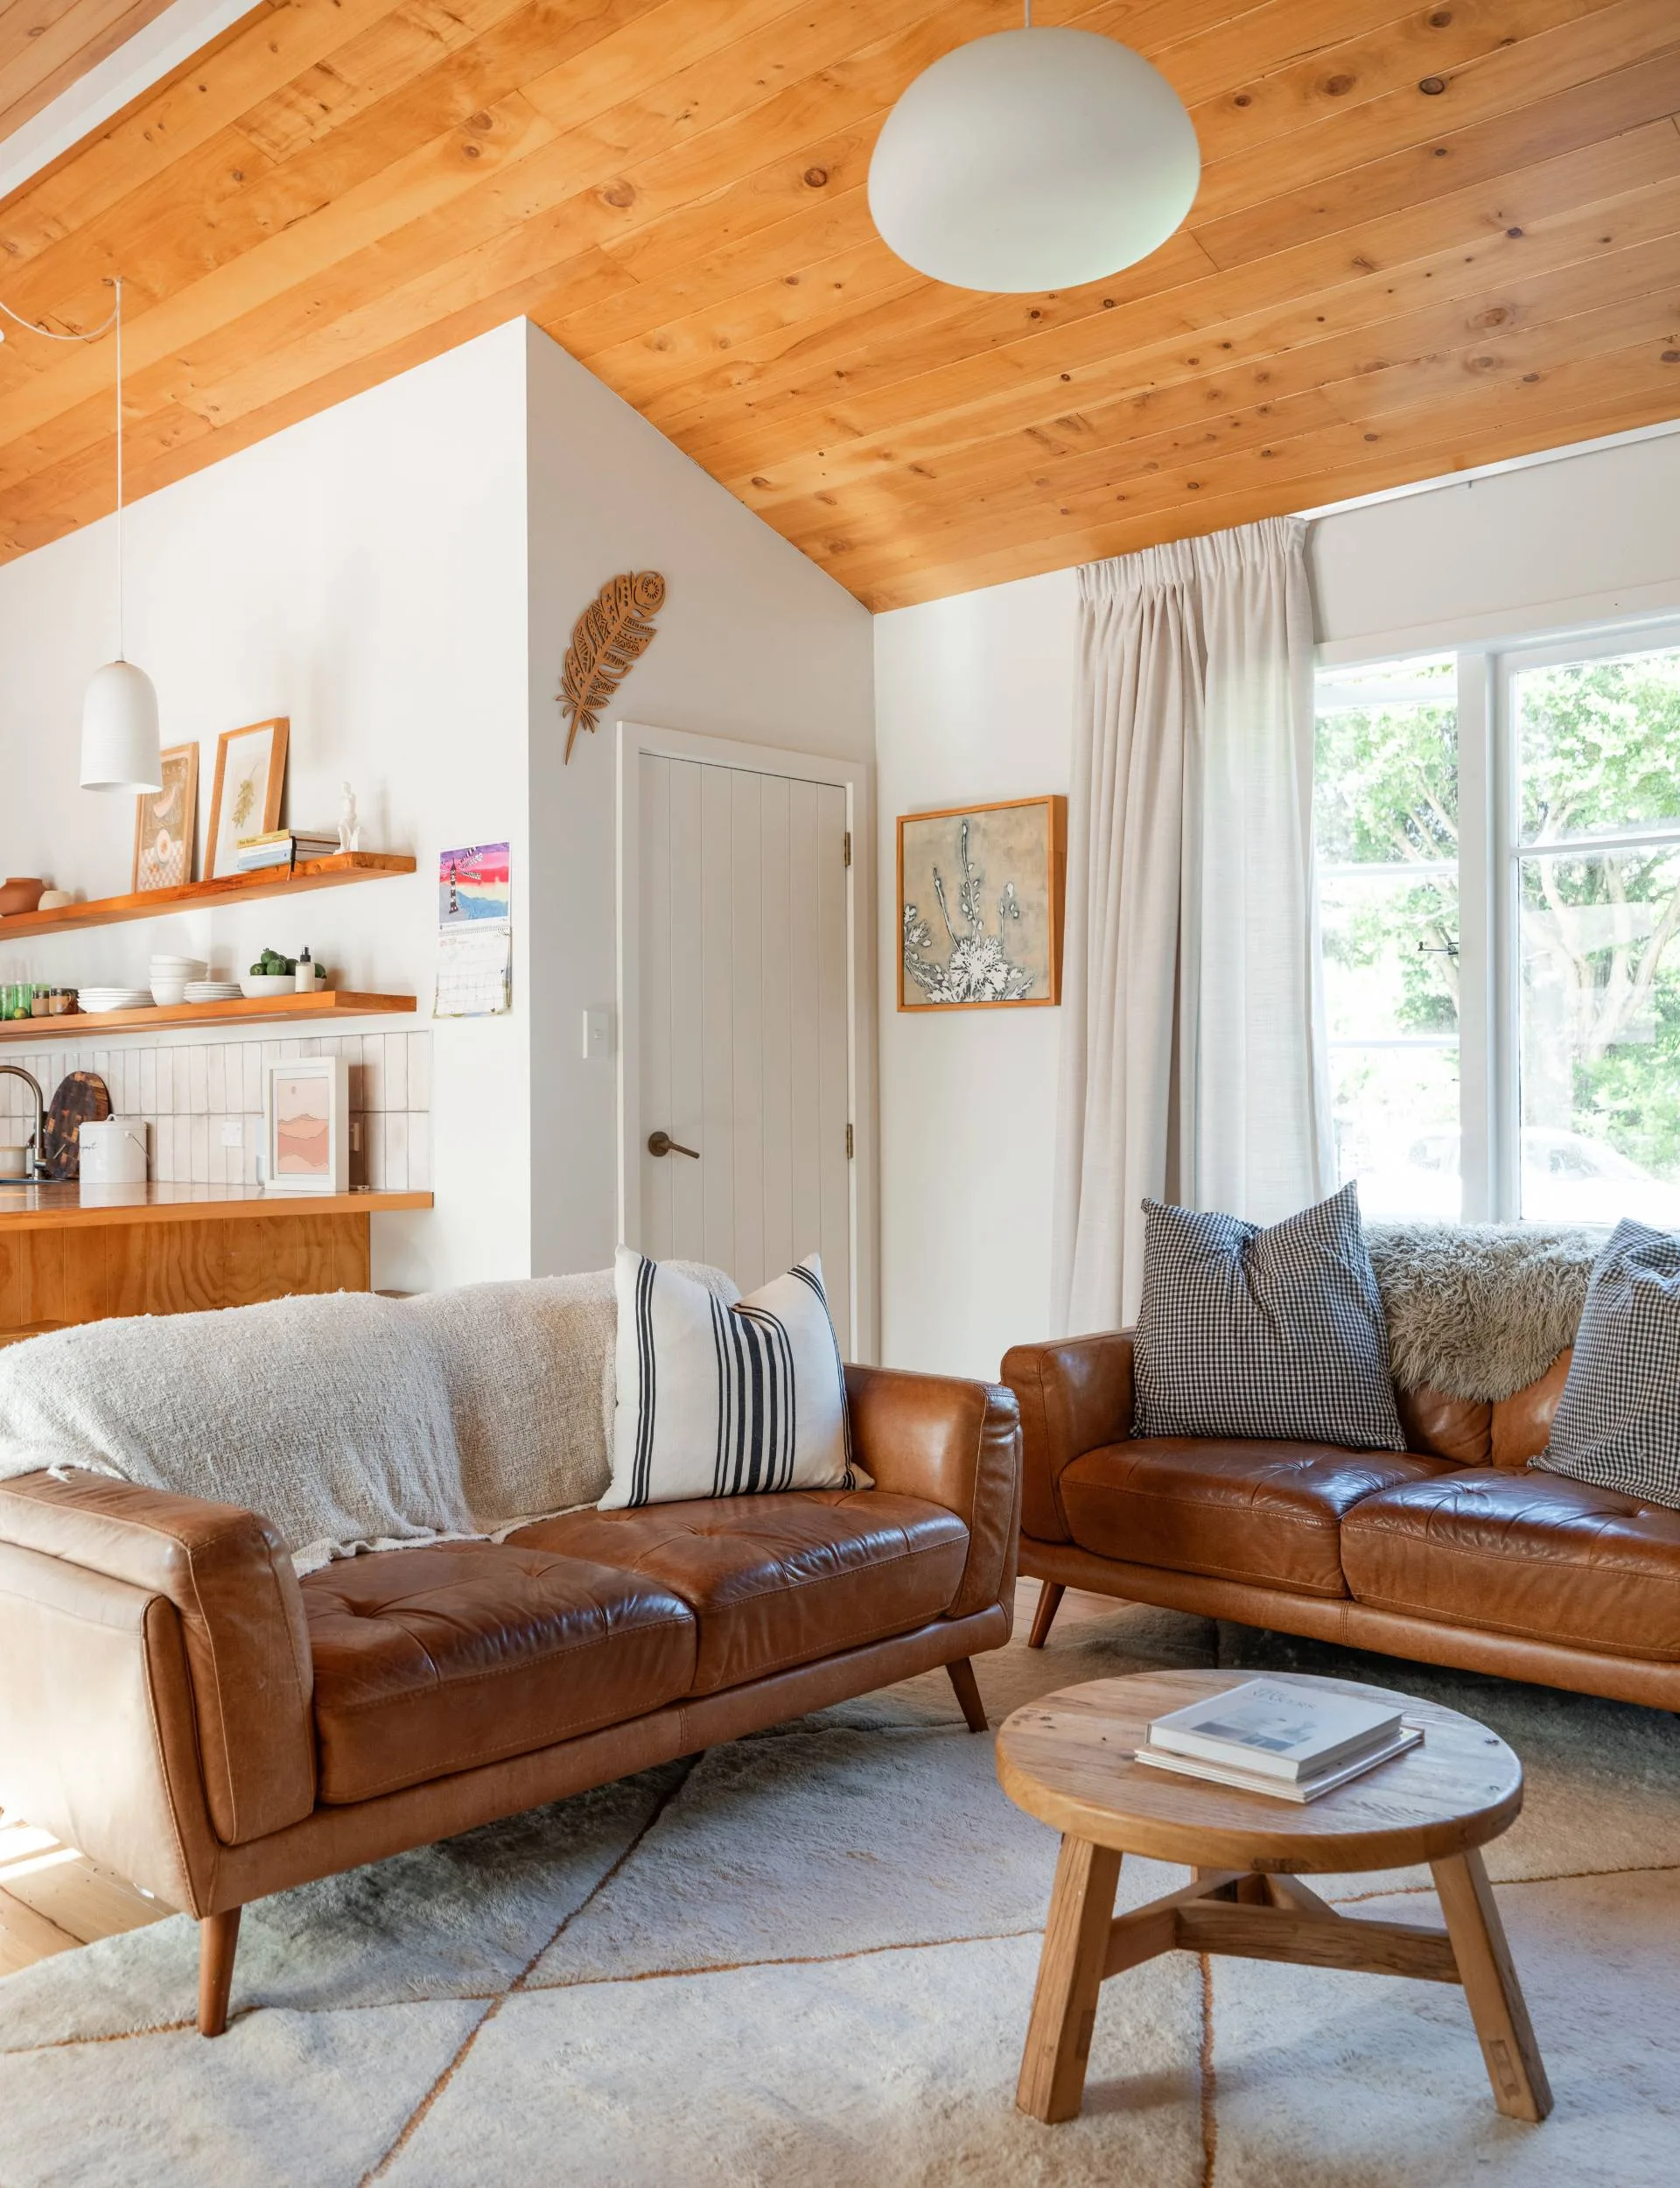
(349, 1421)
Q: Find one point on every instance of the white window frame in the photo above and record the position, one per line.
(1489, 867)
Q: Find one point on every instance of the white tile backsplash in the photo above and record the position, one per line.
(183, 1093)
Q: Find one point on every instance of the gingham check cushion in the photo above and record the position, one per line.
(1276, 1334)
(1618, 1422)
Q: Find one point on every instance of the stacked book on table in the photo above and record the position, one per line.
(281, 847)
(1293, 1742)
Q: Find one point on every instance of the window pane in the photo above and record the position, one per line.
(1391, 993)
(1597, 745)
(1601, 1037)
(1386, 817)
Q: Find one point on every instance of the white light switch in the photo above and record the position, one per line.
(597, 1034)
(233, 1132)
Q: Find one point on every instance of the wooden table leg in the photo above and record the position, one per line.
(1070, 1977)
(1488, 1974)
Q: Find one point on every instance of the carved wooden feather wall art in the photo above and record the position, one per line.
(607, 640)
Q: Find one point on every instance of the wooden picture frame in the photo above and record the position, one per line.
(980, 925)
(166, 824)
(306, 1125)
(250, 781)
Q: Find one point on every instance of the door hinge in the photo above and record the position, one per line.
(848, 846)
(847, 1143)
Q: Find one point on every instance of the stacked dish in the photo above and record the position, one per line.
(213, 990)
(114, 999)
(170, 977)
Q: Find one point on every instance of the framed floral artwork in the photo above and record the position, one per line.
(165, 821)
(245, 801)
(981, 895)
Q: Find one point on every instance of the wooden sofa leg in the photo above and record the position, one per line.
(218, 1942)
(968, 1692)
(1050, 1595)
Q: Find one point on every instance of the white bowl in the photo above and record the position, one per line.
(251, 985)
(189, 968)
(167, 994)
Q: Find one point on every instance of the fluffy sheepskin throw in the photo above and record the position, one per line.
(1478, 1310)
(349, 1421)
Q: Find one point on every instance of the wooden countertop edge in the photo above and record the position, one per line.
(254, 1207)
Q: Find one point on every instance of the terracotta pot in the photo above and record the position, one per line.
(18, 895)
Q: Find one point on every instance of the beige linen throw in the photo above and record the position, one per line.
(351, 1422)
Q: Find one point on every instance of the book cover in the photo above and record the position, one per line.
(1278, 1730)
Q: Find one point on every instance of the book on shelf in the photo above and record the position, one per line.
(1277, 1737)
(1296, 1789)
(281, 847)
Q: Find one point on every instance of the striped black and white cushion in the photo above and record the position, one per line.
(1618, 1422)
(722, 1401)
(1277, 1333)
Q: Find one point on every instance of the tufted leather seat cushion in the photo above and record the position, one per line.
(1535, 1555)
(780, 1579)
(1267, 1513)
(437, 1660)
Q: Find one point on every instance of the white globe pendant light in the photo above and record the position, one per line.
(120, 743)
(1034, 159)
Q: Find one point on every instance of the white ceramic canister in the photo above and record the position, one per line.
(113, 1151)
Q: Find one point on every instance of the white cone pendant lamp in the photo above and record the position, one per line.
(1034, 159)
(119, 744)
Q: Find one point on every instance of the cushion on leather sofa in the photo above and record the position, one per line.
(1443, 1427)
(780, 1579)
(1533, 1554)
(439, 1659)
(1522, 1423)
(1266, 1513)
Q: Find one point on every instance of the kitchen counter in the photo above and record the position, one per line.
(56, 1207)
(71, 1253)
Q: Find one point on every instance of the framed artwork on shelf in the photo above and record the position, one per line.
(306, 1125)
(245, 799)
(165, 822)
(982, 891)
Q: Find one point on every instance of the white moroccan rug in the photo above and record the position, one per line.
(808, 1959)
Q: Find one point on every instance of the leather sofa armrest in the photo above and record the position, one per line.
(227, 1575)
(955, 1443)
(1075, 1396)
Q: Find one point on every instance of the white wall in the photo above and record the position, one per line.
(973, 704)
(754, 641)
(364, 573)
(1583, 539)
(974, 698)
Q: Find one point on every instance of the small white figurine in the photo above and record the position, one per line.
(349, 829)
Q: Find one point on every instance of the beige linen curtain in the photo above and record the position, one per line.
(1193, 1059)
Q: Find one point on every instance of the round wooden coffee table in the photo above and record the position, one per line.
(1068, 1760)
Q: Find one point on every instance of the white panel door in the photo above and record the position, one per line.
(744, 1022)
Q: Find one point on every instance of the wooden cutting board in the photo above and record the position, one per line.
(82, 1098)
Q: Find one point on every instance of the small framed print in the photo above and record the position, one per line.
(981, 896)
(306, 1125)
(245, 797)
(165, 822)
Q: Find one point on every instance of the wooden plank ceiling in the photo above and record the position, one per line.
(1423, 240)
(47, 45)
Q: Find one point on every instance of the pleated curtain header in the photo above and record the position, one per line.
(1192, 561)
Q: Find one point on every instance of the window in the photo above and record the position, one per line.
(1499, 880)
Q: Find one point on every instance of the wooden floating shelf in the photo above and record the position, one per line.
(229, 888)
(81, 1026)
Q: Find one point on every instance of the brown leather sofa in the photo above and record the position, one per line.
(177, 1705)
(1449, 1552)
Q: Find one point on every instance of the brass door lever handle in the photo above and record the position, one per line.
(662, 1143)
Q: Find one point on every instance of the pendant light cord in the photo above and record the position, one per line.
(117, 316)
(92, 334)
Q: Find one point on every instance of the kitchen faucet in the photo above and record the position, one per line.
(38, 1141)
